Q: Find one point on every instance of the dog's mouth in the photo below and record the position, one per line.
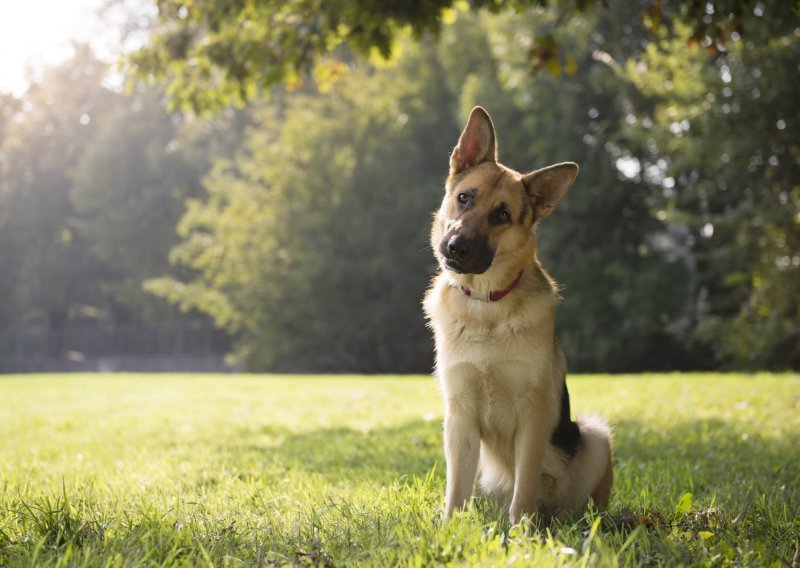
(460, 268)
(453, 265)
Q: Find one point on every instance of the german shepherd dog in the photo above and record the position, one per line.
(502, 371)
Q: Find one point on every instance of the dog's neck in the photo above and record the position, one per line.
(496, 295)
(502, 280)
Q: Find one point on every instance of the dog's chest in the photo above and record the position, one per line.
(495, 395)
(502, 392)
(518, 338)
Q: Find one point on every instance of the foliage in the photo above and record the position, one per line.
(93, 183)
(129, 188)
(227, 470)
(41, 143)
(217, 52)
(312, 246)
(720, 149)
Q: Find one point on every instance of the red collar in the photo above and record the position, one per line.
(497, 294)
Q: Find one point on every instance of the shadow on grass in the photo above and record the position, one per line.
(707, 457)
(343, 454)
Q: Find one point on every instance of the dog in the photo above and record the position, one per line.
(502, 372)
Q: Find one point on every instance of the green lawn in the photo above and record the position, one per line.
(266, 470)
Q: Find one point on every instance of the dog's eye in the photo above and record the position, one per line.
(500, 216)
(463, 197)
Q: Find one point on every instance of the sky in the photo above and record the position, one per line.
(35, 33)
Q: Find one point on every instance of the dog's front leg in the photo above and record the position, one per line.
(462, 449)
(529, 446)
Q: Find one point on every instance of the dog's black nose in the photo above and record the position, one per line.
(458, 247)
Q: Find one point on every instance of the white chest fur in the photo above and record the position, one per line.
(492, 357)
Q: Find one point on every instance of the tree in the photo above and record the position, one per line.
(10, 107)
(128, 192)
(313, 244)
(216, 52)
(721, 142)
(55, 124)
(92, 184)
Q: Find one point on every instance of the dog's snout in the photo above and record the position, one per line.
(466, 255)
(458, 247)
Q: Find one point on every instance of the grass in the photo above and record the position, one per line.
(154, 470)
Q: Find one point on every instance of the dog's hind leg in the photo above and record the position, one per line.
(590, 473)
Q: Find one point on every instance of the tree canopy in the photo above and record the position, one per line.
(217, 52)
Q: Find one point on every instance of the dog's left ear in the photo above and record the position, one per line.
(548, 186)
(476, 144)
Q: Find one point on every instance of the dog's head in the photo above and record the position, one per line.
(488, 213)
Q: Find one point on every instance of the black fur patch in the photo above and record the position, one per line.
(567, 435)
(500, 215)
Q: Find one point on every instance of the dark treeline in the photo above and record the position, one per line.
(298, 224)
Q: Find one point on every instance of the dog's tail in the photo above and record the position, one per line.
(590, 470)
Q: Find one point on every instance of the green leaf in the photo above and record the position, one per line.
(684, 503)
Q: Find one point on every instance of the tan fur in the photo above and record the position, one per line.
(499, 363)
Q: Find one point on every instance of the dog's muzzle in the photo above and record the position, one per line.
(466, 256)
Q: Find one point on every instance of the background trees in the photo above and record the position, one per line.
(725, 169)
(299, 221)
(324, 213)
(44, 137)
(93, 183)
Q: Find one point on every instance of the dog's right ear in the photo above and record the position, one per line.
(476, 144)
(548, 186)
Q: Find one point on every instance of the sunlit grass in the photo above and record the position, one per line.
(253, 470)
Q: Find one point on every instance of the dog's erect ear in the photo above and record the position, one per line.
(548, 186)
(476, 144)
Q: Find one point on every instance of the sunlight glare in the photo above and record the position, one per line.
(35, 33)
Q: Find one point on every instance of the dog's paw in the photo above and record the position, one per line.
(526, 524)
(518, 514)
